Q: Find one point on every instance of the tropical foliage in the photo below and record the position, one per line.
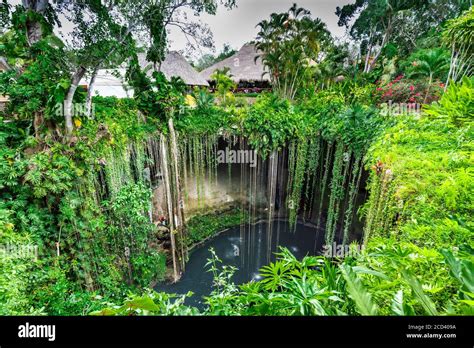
(317, 286)
(79, 190)
(290, 43)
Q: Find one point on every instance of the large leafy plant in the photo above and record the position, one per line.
(289, 44)
(457, 104)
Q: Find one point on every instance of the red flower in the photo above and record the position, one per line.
(441, 85)
(412, 88)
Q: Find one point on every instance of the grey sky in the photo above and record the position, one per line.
(237, 26)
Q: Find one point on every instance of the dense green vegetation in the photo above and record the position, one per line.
(202, 227)
(294, 287)
(74, 193)
(58, 206)
(419, 208)
(429, 186)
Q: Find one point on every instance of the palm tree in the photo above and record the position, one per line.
(431, 64)
(288, 43)
(224, 82)
(458, 36)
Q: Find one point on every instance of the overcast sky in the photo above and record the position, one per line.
(238, 26)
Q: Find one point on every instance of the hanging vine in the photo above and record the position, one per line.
(323, 183)
(300, 157)
(381, 204)
(353, 190)
(311, 172)
(336, 193)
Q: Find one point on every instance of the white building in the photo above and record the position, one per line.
(112, 82)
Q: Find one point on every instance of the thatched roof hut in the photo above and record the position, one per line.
(175, 65)
(111, 82)
(243, 65)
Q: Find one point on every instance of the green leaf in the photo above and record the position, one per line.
(365, 270)
(145, 303)
(422, 298)
(357, 291)
(469, 302)
(105, 312)
(462, 270)
(399, 307)
(397, 303)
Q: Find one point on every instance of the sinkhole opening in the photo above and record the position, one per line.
(304, 196)
(248, 248)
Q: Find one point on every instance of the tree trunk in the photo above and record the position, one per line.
(385, 39)
(367, 58)
(452, 63)
(179, 196)
(34, 32)
(76, 78)
(89, 93)
(169, 203)
(369, 52)
(37, 123)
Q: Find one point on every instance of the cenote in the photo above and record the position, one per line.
(285, 205)
(247, 248)
(298, 174)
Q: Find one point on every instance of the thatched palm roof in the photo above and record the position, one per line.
(242, 65)
(175, 65)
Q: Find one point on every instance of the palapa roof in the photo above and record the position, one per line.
(243, 66)
(175, 65)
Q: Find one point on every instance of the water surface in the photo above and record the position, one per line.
(247, 247)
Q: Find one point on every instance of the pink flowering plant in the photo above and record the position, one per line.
(408, 91)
